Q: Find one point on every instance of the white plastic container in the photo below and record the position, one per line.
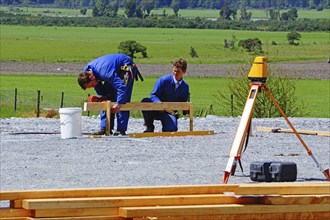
(70, 119)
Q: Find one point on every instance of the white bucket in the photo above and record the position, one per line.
(70, 122)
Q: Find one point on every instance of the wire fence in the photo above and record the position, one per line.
(38, 103)
(22, 103)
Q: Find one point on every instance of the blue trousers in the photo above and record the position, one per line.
(169, 121)
(123, 116)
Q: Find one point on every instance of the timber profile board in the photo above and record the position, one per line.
(131, 106)
(171, 134)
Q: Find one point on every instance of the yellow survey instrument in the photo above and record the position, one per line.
(258, 71)
(258, 76)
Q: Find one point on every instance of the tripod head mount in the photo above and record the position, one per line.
(258, 71)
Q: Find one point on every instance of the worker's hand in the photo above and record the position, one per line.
(115, 108)
(96, 99)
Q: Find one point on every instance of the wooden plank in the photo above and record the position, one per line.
(17, 204)
(11, 212)
(118, 191)
(74, 212)
(15, 218)
(284, 189)
(131, 106)
(284, 130)
(83, 218)
(202, 210)
(295, 199)
(101, 202)
(95, 106)
(255, 216)
(171, 134)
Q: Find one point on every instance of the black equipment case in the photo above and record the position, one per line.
(273, 171)
(283, 171)
(259, 171)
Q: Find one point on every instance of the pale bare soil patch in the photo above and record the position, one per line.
(311, 70)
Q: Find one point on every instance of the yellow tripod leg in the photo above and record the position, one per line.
(325, 172)
(242, 131)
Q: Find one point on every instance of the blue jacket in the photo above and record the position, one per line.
(106, 68)
(164, 90)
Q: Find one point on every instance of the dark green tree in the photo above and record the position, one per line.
(131, 47)
(245, 15)
(292, 37)
(99, 8)
(292, 14)
(227, 12)
(176, 6)
(113, 9)
(193, 52)
(130, 8)
(274, 15)
(147, 6)
(251, 45)
(83, 11)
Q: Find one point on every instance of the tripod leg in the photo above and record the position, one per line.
(325, 172)
(236, 149)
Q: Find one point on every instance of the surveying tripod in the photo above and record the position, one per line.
(258, 76)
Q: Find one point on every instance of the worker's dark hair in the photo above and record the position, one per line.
(83, 79)
(182, 63)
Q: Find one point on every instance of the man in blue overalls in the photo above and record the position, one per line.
(168, 88)
(112, 77)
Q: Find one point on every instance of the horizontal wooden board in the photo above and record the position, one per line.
(254, 216)
(100, 202)
(171, 134)
(296, 199)
(74, 212)
(321, 188)
(118, 191)
(285, 130)
(11, 212)
(110, 217)
(156, 106)
(202, 210)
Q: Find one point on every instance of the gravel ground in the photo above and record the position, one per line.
(45, 161)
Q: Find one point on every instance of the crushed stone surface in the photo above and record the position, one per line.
(34, 156)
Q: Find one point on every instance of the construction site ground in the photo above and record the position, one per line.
(33, 155)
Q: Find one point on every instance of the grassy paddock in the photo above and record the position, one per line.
(82, 44)
(192, 13)
(314, 93)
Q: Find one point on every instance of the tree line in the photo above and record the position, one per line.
(177, 4)
(167, 22)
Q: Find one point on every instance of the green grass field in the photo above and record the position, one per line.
(205, 13)
(202, 90)
(81, 44)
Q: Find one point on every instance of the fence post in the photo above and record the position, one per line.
(15, 100)
(38, 104)
(232, 105)
(62, 99)
(88, 99)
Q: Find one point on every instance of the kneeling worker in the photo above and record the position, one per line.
(168, 88)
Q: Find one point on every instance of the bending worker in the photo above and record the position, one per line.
(112, 77)
(168, 88)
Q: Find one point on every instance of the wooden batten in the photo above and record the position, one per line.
(171, 134)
